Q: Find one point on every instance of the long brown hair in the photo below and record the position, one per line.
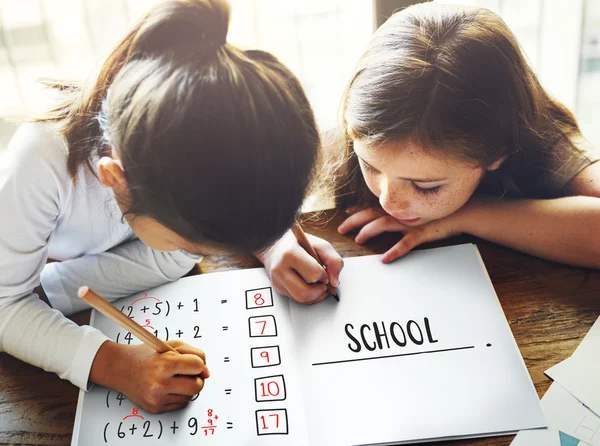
(453, 80)
(218, 144)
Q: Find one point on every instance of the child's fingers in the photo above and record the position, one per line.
(282, 289)
(408, 242)
(414, 237)
(378, 226)
(354, 209)
(172, 399)
(174, 407)
(184, 348)
(305, 293)
(187, 364)
(300, 291)
(307, 267)
(186, 386)
(189, 350)
(360, 219)
(280, 286)
(320, 298)
(330, 257)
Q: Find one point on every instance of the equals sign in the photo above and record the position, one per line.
(226, 359)
(224, 301)
(225, 328)
(229, 425)
(227, 391)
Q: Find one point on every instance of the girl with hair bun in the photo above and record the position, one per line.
(181, 145)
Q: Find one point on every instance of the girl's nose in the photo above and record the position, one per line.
(392, 200)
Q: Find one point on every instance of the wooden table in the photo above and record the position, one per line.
(550, 308)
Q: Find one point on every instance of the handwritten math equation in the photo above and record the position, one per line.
(269, 388)
(150, 308)
(135, 425)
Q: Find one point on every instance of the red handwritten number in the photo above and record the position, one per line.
(210, 428)
(258, 299)
(135, 411)
(264, 325)
(273, 390)
(265, 355)
(265, 427)
(276, 415)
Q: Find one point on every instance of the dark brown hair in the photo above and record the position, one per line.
(218, 144)
(453, 80)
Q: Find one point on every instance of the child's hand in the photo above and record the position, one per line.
(157, 382)
(296, 274)
(374, 221)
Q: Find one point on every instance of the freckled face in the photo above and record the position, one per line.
(413, 186)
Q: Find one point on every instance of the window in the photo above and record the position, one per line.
(561, 40)
(588, 95)
(320, 40)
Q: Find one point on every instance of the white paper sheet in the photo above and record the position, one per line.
(537, 437)
(580, 374)
(566, 414)
(461, 375)
(466, 378)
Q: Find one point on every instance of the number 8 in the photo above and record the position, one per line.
(258, 299)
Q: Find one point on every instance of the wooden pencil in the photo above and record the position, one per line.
(304, 243)
(128, 324)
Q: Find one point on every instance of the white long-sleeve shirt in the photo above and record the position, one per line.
(44, 215)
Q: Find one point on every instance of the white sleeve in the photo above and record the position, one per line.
(29, 208)
(121, 271)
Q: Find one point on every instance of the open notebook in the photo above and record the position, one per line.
(414, 351)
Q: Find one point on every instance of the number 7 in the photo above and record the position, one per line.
(264, 325)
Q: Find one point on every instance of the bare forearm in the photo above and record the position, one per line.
(566, 230)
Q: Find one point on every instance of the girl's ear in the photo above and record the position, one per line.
(111, 174)
(496, 164)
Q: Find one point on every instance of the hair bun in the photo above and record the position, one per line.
(212, 18)
(175, 23)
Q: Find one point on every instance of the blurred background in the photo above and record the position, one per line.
(320, 40)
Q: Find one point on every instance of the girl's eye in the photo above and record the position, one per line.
(427, 190)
